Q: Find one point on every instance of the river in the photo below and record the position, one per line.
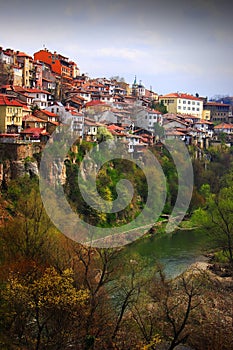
(176, 251)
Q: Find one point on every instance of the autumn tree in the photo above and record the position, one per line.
(43, 312)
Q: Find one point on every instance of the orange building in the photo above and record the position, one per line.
(59, 64)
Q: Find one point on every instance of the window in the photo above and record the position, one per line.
(37, 95)
(189, 108)
(198, 109)
(179, 107)
(184, 101)
(184, 108)
(193, 109)
(189, 102)
(193, 102)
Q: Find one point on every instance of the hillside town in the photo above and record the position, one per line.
(39, 93)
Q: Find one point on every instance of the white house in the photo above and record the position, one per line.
(69, 115)
(41, 98)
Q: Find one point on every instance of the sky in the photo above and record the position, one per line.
(171, 46)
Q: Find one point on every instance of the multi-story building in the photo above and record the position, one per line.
(182, 104)
(219, 112)
(26, 63)
(146, 118)
(59, 64)
(11, 113)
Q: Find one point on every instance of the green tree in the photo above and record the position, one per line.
(159, 106)
(159, 130)
(103, 134)
(217, 218)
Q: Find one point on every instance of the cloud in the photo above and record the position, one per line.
(129, 54)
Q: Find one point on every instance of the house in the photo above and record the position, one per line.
(226, 128)
(90, 129)
(11, 113)
(219, 112)
(25, 61)
(35, 134)
(31, 121)
(172, 134)
(205, 126)
(172, 123)
(68, 114)
(59, 64)
(182, 103)
(47, 116)
(146, 118)
(33, 97)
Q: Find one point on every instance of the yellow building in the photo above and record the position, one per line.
(26, 63)
(182, 104)
(11, 113)
(206, 114)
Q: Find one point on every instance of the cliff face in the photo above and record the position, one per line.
(16, 160)
(10, 170)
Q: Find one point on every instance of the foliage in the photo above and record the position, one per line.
(159, 106)
(39, 309)
(217, 218)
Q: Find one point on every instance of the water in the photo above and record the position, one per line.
(176, 252)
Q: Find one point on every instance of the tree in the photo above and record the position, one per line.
(42, 311)
(159, 131)
(159, 106)
(103, 134)
(217, 218)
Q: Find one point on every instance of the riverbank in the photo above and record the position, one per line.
(219, 272)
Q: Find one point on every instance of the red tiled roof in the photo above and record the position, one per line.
(37, 91)
(114, 127)
(95, 103)
(203, 121)
(5, 101)
(23, 54)
(224, 126)
(50, 114)
(32, 118)
(34, 131)
(213, 103)
(182, 95)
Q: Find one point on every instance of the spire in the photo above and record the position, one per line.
(135, 80)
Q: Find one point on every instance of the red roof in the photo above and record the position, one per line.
(34, 131)
(5, 101)
(212, 103)
(32, 118)
(37, 91)
(50, 114)
(114, 127)
(94, 103)
(224, 126)
(23, 54)
(203, 121)
(182, 95)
